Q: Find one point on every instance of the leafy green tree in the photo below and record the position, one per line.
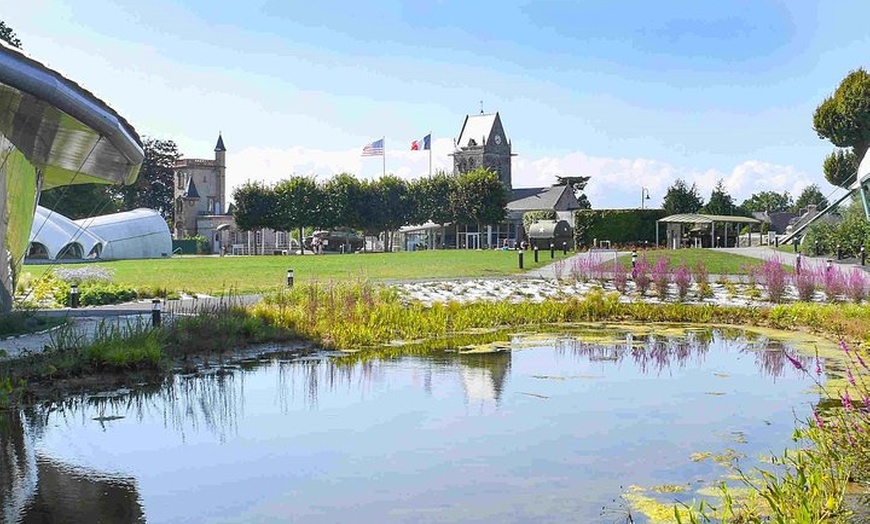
(390, 206)
(811, 195)
(432, 198)
(8, 35)
(479, 197)
(81, 200)
(299, 202)
(844, 119)
(255, 206)
(340, 203)
(769, 201)
(682, 199)
(154, 185)
(840, 167)
(720, 202)
(578, 183)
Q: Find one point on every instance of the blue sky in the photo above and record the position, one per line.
(635, 94)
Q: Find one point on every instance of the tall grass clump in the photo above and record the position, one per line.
(641, 275)
(833, 281)
(683, 280)
(661, 277)
(702, 280)
(806, 282)
(773, 275)
(620, 278)
(856, 284)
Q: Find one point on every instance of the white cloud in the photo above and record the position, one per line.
(615, 182)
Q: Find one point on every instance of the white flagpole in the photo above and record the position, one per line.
(384, 139)
(430, 154)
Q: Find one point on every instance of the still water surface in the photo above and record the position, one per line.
(552, 429)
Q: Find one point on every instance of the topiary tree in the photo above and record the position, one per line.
(844, 119)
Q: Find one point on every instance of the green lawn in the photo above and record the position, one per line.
(717, 262)
(251, 274)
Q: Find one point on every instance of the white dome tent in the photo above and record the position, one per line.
(56, 237)
(141, 233)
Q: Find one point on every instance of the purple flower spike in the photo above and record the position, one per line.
(847, 401)
(795, 362)
(844, 346)
(861, 361)
(818, 420)
(818, 367)
(849, 376)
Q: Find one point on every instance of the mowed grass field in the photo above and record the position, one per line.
(254, 274)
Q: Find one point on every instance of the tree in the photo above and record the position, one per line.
(432, 198)
(255, 206)
(844, 119)
(811, 195)
(682, 199)
(298, 203)
(153, 187)
(841, 167)
(389, 206)
(479, 197)
(720, 202)
(578, 183)
(340, 203)
(768, 201)
(81, 200)
(8, 35)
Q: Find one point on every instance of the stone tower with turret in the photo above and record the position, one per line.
(482, 143)
(200, 190)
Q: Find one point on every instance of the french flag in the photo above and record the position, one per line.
(423, 144)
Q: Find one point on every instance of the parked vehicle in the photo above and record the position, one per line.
(335, 241)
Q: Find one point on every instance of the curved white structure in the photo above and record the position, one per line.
(141, 233)
(56, 237)
(52, 133)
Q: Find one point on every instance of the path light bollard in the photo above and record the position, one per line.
(839, 252)
(829, 266)
(795, 245)
(564, 248)
(74, 296)
(155, 312)
(797, 264)
(816, 248)
(863, 256)
(552, 250)
(536, 253)
(520, 257)
(289, 278)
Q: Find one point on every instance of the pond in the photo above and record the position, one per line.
(546, 428)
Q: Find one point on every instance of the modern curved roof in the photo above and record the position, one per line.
(55, 231)
(64, 130)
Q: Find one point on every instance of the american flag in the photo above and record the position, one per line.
(376, 148)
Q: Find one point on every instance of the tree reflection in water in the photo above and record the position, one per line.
(657, 354)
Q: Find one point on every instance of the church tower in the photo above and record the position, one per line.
(482, 143)
(220, 165)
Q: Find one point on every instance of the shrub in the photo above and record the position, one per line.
(620, 278)
(833, 280)
(806, 284)
(641, 275)
(702, 279)
(661, 276)
(856, 285)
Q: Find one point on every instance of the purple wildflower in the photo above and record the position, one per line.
(795, 362)
(861, 361)
(818, 419)
(847, 401)
(844, 346)
(866, 400)
(818, 366)
(849, 376)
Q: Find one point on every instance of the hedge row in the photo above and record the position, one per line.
(619, 226)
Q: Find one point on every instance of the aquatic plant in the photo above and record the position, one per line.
(661, 276)
(641, 275)
(773, 275)
(702, 280)
(620, 278)
(856, 285)
(806, 283)
(833, 282)
(683, 280)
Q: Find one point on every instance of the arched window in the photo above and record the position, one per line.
(71, 251)
(37, 251)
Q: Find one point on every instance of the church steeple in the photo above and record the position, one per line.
(219, 147)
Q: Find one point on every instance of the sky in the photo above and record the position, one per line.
(635, 94)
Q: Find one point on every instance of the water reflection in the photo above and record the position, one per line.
(304, 405)
(39, 489)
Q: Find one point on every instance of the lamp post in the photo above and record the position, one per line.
(644, 195)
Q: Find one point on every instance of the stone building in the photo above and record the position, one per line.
(483, 143)
(201, 209)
